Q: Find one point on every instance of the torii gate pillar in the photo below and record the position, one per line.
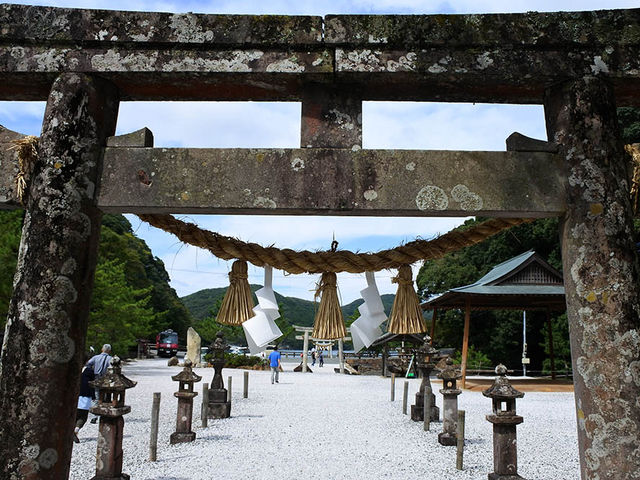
(47, 320)
(601, 277)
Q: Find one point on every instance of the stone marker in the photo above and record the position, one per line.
(193, 346)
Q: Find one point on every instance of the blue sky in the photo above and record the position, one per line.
(405, 125)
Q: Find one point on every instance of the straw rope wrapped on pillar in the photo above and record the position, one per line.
(329, 323)
(237, 305)
(406, 314)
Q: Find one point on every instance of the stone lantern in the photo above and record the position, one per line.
(425, 356)
(219, 406)
(185, 395)
(504, 419)
(111, 408)
(449, 375)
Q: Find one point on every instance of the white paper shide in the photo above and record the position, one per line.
(261, 329)
(366, 328)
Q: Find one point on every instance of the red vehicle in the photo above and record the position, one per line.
(167, 343)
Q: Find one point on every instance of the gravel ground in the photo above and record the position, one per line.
(329, 426)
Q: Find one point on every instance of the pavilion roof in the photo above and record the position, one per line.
(524, 282)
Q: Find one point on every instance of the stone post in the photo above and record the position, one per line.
(424, 356)
(504, 419)
(450, 393)
(185, 395)
(111, 408)
(601, 276)
(47, 319)
(305, 352)
(219, 405)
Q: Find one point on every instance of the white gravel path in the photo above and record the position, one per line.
(329, 426)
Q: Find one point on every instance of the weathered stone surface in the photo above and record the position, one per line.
(331, 119)
(47, 320)
(601, 278)
(383, 57)
(9, 167)
(139, 138)
(79, 26)
(332, 181)
(516, 142)
(603, 27)
(193, 346)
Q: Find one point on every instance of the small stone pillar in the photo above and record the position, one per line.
(219, 406)
(424, 361)
(185, 395)
(450, 393)
(504, 419)
(111, 408)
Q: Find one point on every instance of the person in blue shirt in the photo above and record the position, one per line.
(274, 363)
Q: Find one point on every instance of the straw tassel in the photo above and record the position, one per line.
(406, 314)
(27, 148)
(329, 323)
(237, 304)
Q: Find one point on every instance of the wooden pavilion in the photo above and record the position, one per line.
(524, 282)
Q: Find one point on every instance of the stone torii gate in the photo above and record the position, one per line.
(580, 66)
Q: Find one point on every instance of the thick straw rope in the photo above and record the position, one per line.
(292, 261)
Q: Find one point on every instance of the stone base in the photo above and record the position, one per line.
(417, 414)
(182, 437)
(448, 439)
(122, 476)
(219, 410)
(218, 395)
(497, 476)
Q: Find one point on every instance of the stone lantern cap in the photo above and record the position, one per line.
(501, 388)
(186, 375)
(114, 380)
(219, 346)
(112, 386)
(426, 347)
(450, 372)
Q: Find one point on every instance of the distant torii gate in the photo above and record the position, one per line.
(579, 65)
(305, 337)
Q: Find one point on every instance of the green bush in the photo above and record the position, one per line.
(233, 360)
(475, 359)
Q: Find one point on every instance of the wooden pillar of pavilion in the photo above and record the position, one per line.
(601, 276)
(465, 341)
(434, 317)
(550, 341)
(48, 313)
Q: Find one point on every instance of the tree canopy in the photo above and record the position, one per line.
(131, 296)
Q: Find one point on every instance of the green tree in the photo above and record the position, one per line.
(10, 226)
(119, 314)
(629, 120)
